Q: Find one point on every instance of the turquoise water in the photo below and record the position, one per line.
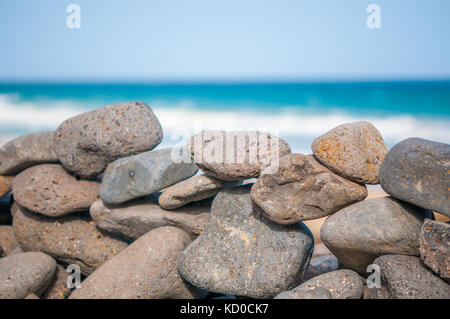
(298, 112)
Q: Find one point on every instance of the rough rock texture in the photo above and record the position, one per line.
(321, 265)
(135, 218)
(143, 174)
(5, 185)
(8, 241)
(26, 151)
(341, 284)
(193, 189)
(147, 269)
(353, 150)
(406, 278)
(364, 231)
(71, 239)
(49, 190)
(23, 274)
(303, 189)
(57, 289)
(305, 293)
(375, 293)
(232, 156)
(243, 253)
(88, 142)
(417, 171)
(434, 242)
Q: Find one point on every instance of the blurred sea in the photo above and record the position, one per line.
(296, 112)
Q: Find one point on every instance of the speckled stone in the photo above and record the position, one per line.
(24, 274)
(193, 189)
(137, 217)
(303, 189)
(321, 265)
(5, 185)
(406, 278)
(417, 171)
(243, 253)
(358, 234)
(26, 151)
(70, 239)
(147, 269)
(434, 242)
(353, 150)
(49, 190)
(144, 174)
(57, 289)
(88, 142)
(375, 293)
(232, 156)
(8, 241)
(341, 284)
(305, 293)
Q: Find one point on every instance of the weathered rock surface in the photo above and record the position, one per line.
(49, 190)
(417, 171)
(70, 239)
(243, 253)
(88, 142)
(5, 185)
(375, 293)
(26, 151)
(358, 234)
(193, 189)
(303, 189)
(141, 175)
(305, 293)
(57, 288)
(8, 241)
(147, 269)
(434, 242)
(23, 274)
(341, 284)
(352, 150)
(232, 156)
(406, 278)
(135, 218)
(321, 265)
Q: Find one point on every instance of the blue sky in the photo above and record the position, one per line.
(218, 40)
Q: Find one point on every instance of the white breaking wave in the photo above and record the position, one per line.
(295, 127)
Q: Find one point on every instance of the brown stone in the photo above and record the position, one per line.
(5, 185)
(57, 289)
(8, 241)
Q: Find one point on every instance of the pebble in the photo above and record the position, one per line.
(8, 241)
(305, 293)
(303, 189)
(57, 289)
(242, 253)
(49, 190)
(88, 142)
(5, 185)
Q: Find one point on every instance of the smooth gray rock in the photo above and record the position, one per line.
(137, 217)
(25, 151)
(305, 293)
(24, 274)
(417, 171)
(243, 253)
(358, 234)
(143, 174)
(405, 277)
(147, 269)
(434, 242)
(88, 142)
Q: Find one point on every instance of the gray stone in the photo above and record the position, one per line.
(406, 278)
(147, 269)
(434, 242)
(243, 253)
(24, 274)
(232, 156)
(417, 171)
(88, 142)
(305, 293)
(193, 189)
(303, 189)
(49, 190)
(26, 151)
(358, 234)
(8, 241)
(352, 150)
(321, 265)
(135, 218)
(57, 289)
(141, 175)
(70, 239)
